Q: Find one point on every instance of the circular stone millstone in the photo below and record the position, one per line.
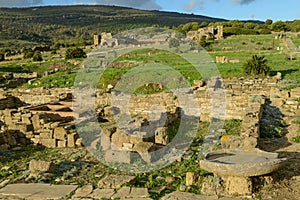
(241, 162)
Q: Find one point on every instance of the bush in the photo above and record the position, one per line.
(257, 65)
(75, 53)
(37, 56)
(2, 56)
(173, 42)
(28, 54)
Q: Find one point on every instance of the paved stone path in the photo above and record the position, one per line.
(35, 191)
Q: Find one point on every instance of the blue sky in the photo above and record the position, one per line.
(228, 9)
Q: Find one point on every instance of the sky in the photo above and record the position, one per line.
(226, 9)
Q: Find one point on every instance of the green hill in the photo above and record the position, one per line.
(73, 24)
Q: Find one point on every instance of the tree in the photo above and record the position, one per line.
(2, 56)
(37, 56)
(257, 65)
(75, 53)
(28, 54)
(269, 22)
(202, 41)
(173, 42)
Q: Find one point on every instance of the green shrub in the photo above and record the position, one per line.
(296, 139)
(2, 57)
(28, 54)
(257, 65)
(173, 42)
(75, 53)
(37, 56)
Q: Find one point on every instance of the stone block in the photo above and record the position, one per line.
(36, 122)
(50, 143)
(122, 193)
(41, 166)
(60, 133)
(119, 156)
(71, 139)
(127, 147)
(25, 127)
(162, 136)
(190, 179)
(61, 143)
(102, 194)
(83, 191)
(138, 137)
(143, 147)
(46, 135)
(79, 142)
(36, 191)
(120, 137)
(105, 142)
(138, 192)
(115, 181)
(238, 185)
(26, 120)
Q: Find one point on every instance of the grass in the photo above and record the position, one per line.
(296, 139)
(245, 43)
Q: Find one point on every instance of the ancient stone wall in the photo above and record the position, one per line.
(22, 127)
(243, 99)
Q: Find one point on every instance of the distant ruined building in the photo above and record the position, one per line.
(105, 39)
(215, 32)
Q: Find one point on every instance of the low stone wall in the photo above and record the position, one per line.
(243, 99)
(22, 127)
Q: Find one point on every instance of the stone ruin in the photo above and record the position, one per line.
(215, 32)
(105, 40)
(224, 59)
(43, 116)
(50, 124)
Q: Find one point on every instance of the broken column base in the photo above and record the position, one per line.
(238, 185)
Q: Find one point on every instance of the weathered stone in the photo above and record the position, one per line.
(233, 142)
(138, 137)
(71, 139)
(4, 183)
(36, 122)
(127, 146)
(162, 136)
(60, 133)
(50, 143)
(243, 162)
(143, 147)
(26, 120)
(105, 142)
(41, 166)
(238, 185)
(36, 191)
(79, 142)
(138, 192)
(169, 179)
(187, 196)
(102, 194)
(120, 137)
(83, 191)
(115, 181)
(46, 135)
(119, 156)
(61, 143)
(190, 179)
(108, 131)
(122, 193)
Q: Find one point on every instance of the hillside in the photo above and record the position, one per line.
(52, 24)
